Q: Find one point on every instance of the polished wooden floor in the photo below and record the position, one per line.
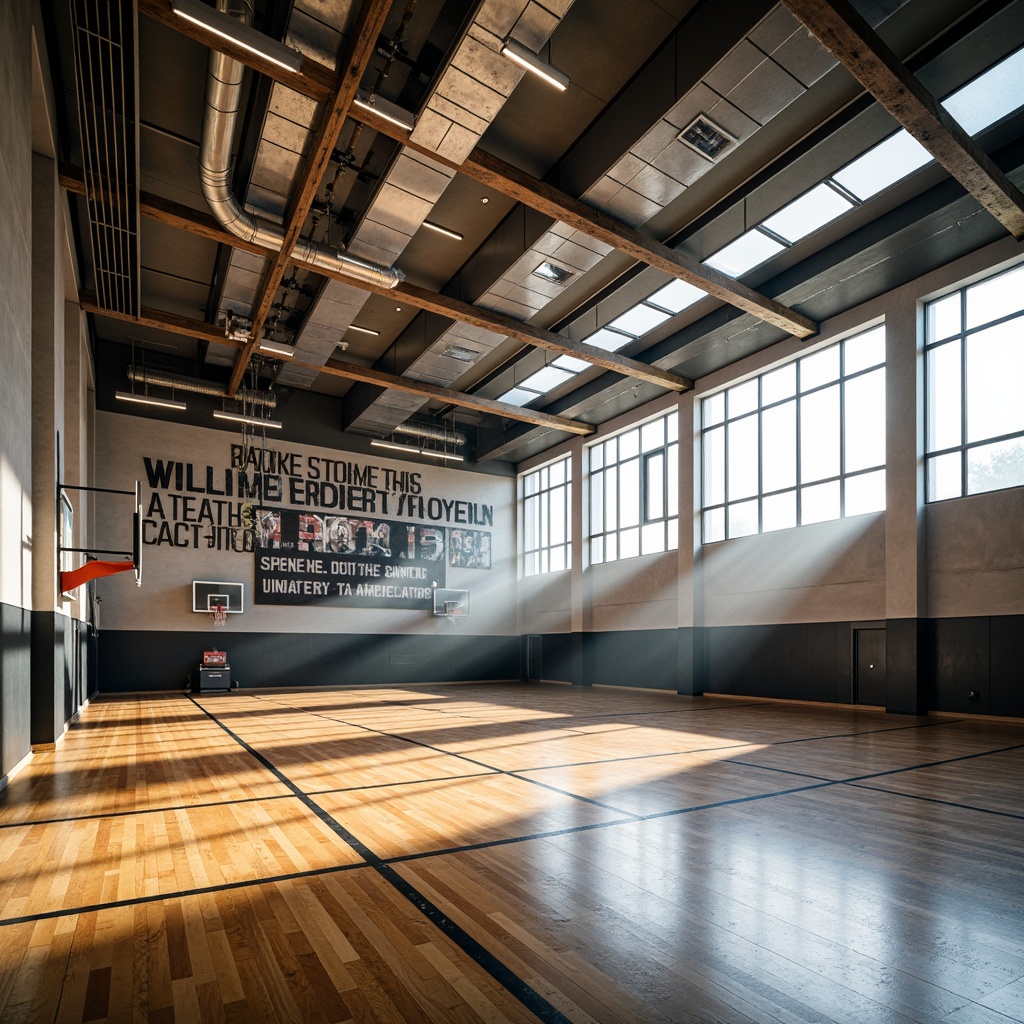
(513, 853)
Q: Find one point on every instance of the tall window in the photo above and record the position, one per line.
(801, 444)
(547, 494)
(634, 491)
(974, 340)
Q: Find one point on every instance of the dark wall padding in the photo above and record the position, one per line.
(637, 657)
(983, 655)
(15, 685)
(805, 661)
(143, 660)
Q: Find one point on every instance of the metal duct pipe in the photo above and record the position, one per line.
(431, 433)
(223, 95)
(163, 379)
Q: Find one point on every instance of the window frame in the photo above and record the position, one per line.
(960, 339)
(718, 432)
(603, 538)
(543, 497)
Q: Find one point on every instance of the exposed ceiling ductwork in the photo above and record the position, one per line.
(197, 386)
(223, 91)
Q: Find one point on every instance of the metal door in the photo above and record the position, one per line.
(869, 667)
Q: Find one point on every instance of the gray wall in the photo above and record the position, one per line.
(776, 614)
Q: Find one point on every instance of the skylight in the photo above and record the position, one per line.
(891, 160)
(745, 253)
(518, 396)
(639, 320)
(811, 211)
(990, 96)
(676, 296)
(610, 341)
(571, 364)
(546, 379)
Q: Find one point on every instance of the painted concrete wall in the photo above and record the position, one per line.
(164, 601)
(827, 572)
(976, 555)
(16, 306)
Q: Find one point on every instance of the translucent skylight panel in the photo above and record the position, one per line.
(571, 364)
(546, 379)
(990, 96)
(677, 296)
(518, 396)
(811, 211)
(747, 252)
(639, 320)
(891, 160)
(610, 341)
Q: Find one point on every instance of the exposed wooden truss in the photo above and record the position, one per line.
(854, 43)
(187, 327)
(175, 215)
(546, 199)
(357, 58)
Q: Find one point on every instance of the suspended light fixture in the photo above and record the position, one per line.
(147, 399)
(144, 397)
(410, 450)
(385, 108)
(252, 421)
(526, 58)
(276, 349)
(235, 31)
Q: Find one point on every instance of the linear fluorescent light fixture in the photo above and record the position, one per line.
(385, 108)
(526, 58)
(164, 403)
(410, 450)
(237, 32)
(277, 350)
(447, 232)
(253, 421)
(363, 330)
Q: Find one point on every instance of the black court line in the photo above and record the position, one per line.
(145, 810)
(936, 800)
(385, 863)
(491, 769)
(482, 957)
(171, 809)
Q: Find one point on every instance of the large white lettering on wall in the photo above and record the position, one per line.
(320, 529)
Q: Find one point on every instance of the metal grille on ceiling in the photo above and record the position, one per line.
(105, 39)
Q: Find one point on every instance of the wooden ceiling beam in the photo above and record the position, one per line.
(175, 215)
(335, 367)
(517, 185)
(841, 29)
(495, 173)
(355, 62)
(313, 79)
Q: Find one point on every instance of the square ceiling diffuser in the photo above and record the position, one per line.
(706, 137)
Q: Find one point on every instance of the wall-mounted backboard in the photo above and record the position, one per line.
(207, 595)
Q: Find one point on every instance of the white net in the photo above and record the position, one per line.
(453, 612)
(219, 613)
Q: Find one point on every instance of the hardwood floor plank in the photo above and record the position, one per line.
(599, 855)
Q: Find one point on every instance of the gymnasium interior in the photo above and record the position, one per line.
(511, 510)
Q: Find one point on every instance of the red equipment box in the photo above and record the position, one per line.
(214, 659)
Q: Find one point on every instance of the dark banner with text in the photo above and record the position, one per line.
(306, 558)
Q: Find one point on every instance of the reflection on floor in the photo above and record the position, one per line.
(509, 853)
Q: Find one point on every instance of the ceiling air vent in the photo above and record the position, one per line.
(703, 135)
(552, 272)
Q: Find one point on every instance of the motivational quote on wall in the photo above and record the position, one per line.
(319, 529)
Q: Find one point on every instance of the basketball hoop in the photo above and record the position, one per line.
(453, 613)
(219, 613)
